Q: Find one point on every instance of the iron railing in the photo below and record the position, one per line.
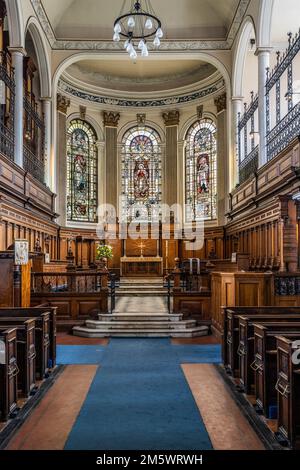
(7, 106)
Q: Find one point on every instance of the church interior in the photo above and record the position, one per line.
(149, 225)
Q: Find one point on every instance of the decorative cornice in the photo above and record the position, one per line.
(171, 118)
(166, 45)
(63, 103)
(221, 103)
(110, 119)
(69, 89)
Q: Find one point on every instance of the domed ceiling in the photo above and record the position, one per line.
(148, 75)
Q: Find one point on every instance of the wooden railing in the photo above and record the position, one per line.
(69, 282)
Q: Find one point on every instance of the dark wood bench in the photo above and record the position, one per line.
(265, 361)
(245, 350)
(26, 354)
(35, 312)
(8, 374)
(231, 330)
(42, 341)
(288, 392)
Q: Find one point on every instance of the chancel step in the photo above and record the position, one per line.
(127, 332)
(152, 325)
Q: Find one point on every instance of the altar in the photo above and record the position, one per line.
(135, 266)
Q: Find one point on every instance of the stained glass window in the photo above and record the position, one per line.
(141, 174)
(201, 171)
(81, 172)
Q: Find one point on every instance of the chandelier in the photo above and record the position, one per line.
(138, 27)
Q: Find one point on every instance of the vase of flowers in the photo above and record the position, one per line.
(103, 254)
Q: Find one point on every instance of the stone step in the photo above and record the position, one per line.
(141, 325)
(129, 333)
(140, 293)
(137, 317)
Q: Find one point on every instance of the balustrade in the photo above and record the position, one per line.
(7, 91)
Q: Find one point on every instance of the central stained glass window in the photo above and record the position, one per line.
(141, 174)
(201, 171)
(82, 158)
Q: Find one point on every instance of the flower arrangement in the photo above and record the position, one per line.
(104, 251)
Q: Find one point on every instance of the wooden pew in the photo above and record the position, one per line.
(265, 361)
(42, 327)
(288, 397)
(231, 331)
(8, 375)
(35, 312)
(26, 354)
(245, 350)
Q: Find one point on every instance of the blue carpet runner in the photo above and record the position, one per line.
(139, 399)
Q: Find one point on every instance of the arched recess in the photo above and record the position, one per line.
(37, 35)
(242, 55)
(203, 56)
(15, 23)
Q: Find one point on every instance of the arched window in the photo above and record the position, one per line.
(81, 172)
(201, 171)
(141, 174)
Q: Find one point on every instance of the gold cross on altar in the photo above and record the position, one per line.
(142, 246)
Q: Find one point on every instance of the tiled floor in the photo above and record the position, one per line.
(69, 339)
(49, 425)
(141, 305)
(227, 427)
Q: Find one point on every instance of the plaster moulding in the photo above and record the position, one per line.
(113, 102)
(110, 46)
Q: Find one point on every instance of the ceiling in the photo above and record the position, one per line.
(182, 19)
(143, 75)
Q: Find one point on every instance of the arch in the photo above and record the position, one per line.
(90, 120)
(265, 22)
(189, 122)
(203, 56)
(131, 124)
(38, 38)
(240, 56)
(15, 23)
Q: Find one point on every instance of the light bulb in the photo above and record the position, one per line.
(133, 54)
(159, 33)
(141, 44)
(149, 24)
(145, 51)
(131, 22)
(126, 43)
(117, 28)
(116, 37)
(129, 48)
(156, 41)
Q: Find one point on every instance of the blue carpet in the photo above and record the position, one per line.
(79, 354)
(139, 399)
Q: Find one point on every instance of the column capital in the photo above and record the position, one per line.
(110, 119)
(221, 103)
(171, 118)
(237, 98)
(100, 144)
(63, 103)
(263, 50)
(18, 50)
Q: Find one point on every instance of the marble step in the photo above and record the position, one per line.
(136, 317)
(141, 325)
(140, 293)
(129, 333)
